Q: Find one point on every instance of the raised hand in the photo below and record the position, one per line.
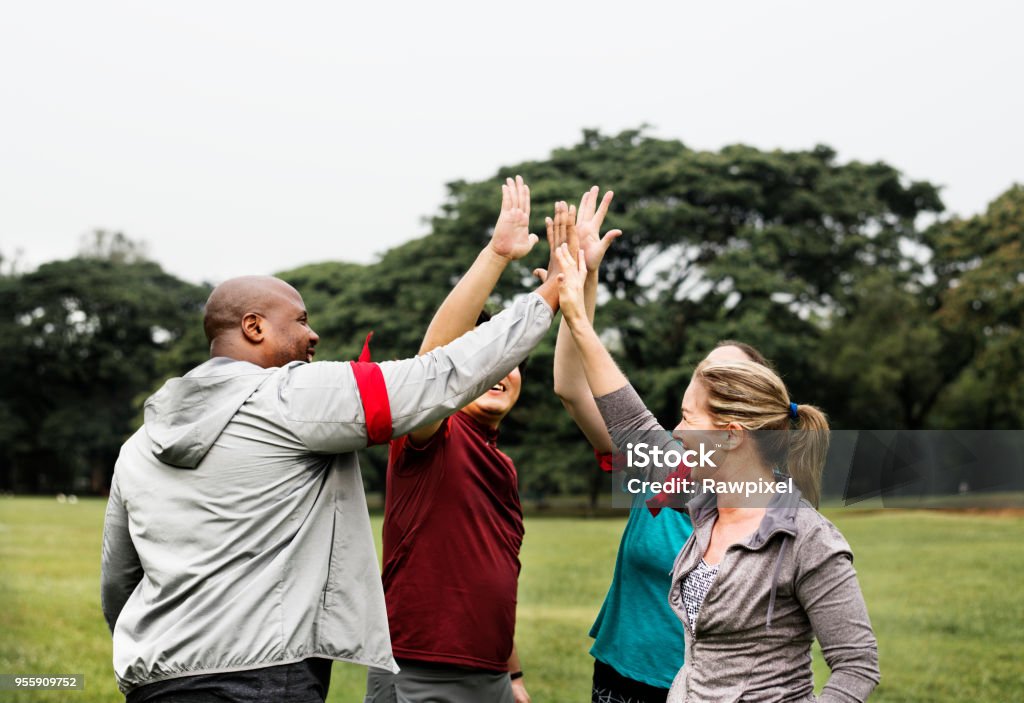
(561, 230)
(512, 239)
(571, 277)
(589, 219)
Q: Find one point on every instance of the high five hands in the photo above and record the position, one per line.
(587, 221)
(574, 238)
(512, 238)
(571, 279)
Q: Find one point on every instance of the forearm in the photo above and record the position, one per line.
(571, 382)
(835, 607)
(329, 411)
(120, 569)
(431, 387)
(602, 373)
(628, 421)
(515, 671)
(459, 311)
(514, 665)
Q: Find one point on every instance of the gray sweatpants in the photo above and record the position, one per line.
(436, 684)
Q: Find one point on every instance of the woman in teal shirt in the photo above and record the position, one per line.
(637, 638)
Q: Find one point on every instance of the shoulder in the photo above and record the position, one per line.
(818, 541)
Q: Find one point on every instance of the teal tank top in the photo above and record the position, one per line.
(637, 633)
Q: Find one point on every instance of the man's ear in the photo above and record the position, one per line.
(253, 326)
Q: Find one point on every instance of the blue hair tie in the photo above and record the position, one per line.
(793, 413)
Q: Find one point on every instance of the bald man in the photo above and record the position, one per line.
(238, 559)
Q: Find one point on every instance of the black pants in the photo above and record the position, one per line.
(612, 687)
(302, 682)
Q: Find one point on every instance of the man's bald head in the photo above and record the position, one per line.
(260, 319)
(232, 299)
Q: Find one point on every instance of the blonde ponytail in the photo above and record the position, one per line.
(807, 451)
(753, 396)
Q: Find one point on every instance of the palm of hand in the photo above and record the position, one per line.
(590, 243)
(512, 234)
(588, 227)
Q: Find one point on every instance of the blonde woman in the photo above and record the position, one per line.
(763, 574)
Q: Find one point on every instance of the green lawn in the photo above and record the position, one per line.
(943, 590)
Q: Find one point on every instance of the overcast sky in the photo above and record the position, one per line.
(253, 137)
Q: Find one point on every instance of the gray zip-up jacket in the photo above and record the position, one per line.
(791, 581)
(236, 533)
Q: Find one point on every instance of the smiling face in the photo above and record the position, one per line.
(287, 335)
(492, 407)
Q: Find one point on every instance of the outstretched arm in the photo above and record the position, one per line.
(602, 374)
(511, 240)
(625, 417)
(330, 411)
(570, 381)
(459, 311)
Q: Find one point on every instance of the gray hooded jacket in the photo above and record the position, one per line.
(236, 533)
(792, 581)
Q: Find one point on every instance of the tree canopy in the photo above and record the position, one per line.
(871, 305)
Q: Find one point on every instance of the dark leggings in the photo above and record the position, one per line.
(612, 687)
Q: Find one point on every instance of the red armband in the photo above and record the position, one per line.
(669, 500)
(604, 460)
(373, 393)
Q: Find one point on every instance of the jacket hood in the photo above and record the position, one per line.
(187, 415)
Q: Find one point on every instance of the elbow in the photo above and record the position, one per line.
(110, 612)
(571, 407)
(855, 676)
(562, 390)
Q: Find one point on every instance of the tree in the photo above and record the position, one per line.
(769, 247)
(79, 341)
(979, 300)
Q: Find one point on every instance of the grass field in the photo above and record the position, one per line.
(944, 591)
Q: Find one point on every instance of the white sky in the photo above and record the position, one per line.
(252, 137)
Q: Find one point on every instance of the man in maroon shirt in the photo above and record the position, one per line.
(453, 525)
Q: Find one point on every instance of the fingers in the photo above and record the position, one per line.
(571, 237)
(609, 237)
(515, 194)
(561, 222)
(558, 227)
(603, 210)
(581, 263)
(581, 212)
(591, 202)
(541, 275)
(565, 261)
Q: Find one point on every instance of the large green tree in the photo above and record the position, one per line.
(780, 249)
(78, 345)
(822, 264)
(979, 300)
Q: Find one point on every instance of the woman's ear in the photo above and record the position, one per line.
(735, 434)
